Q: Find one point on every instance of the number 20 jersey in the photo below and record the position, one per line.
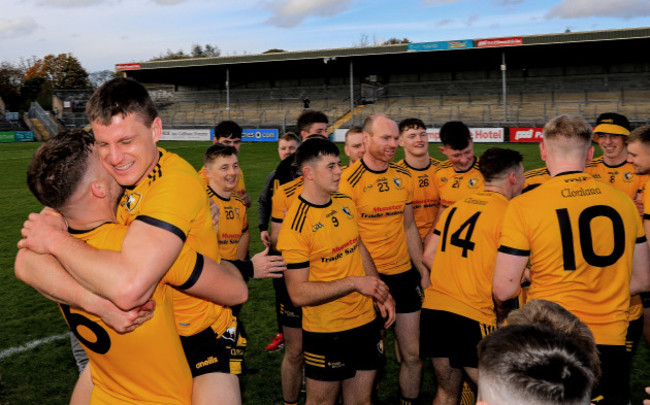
(381, 198)
(579, 234)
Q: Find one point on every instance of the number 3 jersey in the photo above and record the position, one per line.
(580, 235)
(381, 198)
(461, 277)
(325, 239)
(147, 365)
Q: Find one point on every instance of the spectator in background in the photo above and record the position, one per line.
(354, 147)
(305, 102)
(287, 145)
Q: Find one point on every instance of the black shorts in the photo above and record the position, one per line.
(645, 299)
(337, 356)
(614, 384)
(634, 332)
(445, 334)
(405, 289)
(287, 313)
(208, 353)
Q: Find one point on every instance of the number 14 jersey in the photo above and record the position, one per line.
(580, 235)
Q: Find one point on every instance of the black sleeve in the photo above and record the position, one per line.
(245, 267)
(264, 203)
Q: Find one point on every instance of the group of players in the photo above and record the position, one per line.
(128, 247)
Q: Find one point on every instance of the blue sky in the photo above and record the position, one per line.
(101, 33)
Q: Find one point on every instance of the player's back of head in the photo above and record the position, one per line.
(496, 163)
(533, 365)
(121, 96)
(569, 127)
(58, 167)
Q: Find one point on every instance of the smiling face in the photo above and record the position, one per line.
(462, 159)
(415, 142)
(613, 147)
(223, 173)
(127, 147)
(381, 144)
(638, 153)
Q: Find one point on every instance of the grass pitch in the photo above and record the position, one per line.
(46, 373)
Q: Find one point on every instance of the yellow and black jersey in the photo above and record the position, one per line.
(173, 197)
(325, 239)
(284, 197)
(147, 365)
(579, 234)
(454, 186)
(233, 222)
(425, 195)
(461, 276)
(240, 188)
(381, 198)
(621, 177)
(535, 177)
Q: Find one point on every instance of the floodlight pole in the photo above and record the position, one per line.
(351, 95)
(228, 92)
(503, 80)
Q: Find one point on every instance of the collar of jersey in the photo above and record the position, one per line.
(415, 168)
(373, 171)
(327, 204)
(569, 172)
(80, 232)
(218, 196)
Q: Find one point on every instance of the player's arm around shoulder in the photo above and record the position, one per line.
(220, 283)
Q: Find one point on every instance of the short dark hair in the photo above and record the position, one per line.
(121, 96)
(455, 134)
(309, 117)
(313, 148)
(290, 136)
(641, 134)
(58, 166)
(218, 150)
(535, 365)
(411, 123)
(227, 129)
(496, 162)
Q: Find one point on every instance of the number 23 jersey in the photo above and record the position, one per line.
(579, 234)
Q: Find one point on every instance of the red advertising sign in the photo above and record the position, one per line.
(526, 134)
(490, 42)
(127, 66)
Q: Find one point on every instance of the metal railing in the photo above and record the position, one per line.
(36, 111)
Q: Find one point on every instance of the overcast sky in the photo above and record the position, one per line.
(101, 33)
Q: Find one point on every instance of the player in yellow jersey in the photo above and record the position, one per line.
(638, 154)
(414, 140)
(535, 177)
(461, 255)
(612, 167)
(164, 206)
(354, 147)
(222, 170)
(327, 277)
(229, 133)
(383, 193)
(458, 176)
(66, 175)
(586, 248)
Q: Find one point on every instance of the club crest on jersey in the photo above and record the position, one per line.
(347, 212)
(444, 179)
(398, 183)
(132, 201)
(628, 177)
(473, 182)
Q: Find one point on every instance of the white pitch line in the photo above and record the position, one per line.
(30, 345)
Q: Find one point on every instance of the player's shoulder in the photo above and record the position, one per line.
(595, 162)
(444, 166)
(354, 173)
(341, 196)
(542, 171)
(238, 199)
(399, 168)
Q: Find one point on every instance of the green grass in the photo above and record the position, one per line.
(46, 374)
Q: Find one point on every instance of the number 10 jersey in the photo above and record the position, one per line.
(580, 235)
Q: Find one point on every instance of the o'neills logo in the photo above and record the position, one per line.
(210, 360)
(581, 192)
